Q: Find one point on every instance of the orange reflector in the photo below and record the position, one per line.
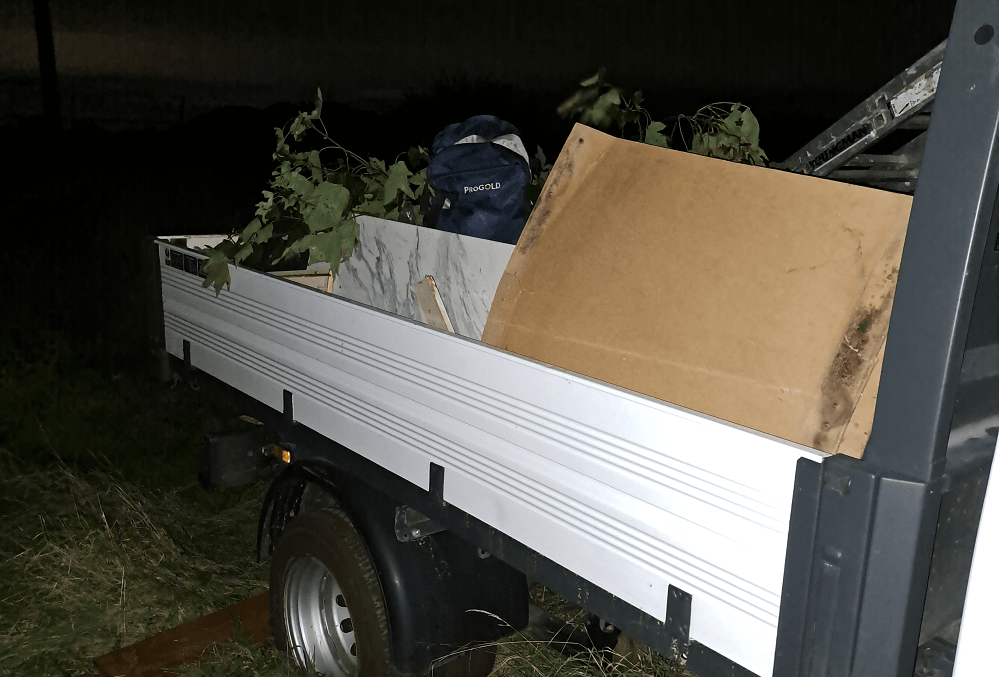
(280, 454)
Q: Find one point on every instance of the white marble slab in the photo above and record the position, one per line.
(391, 257)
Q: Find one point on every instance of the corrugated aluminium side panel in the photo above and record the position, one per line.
(631, 493)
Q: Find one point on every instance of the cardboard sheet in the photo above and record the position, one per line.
(757, 296)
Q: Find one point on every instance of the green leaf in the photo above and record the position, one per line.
(374, 185)
(264, 207)
(750, 127)
(264, 234)
(371, 208)
(419, 183)
(352, 231)
(227, 248)
(654, 135)
(282, 145)
(417, 155)
(300, 125)
(604, 110)
(298, 183)
(540, 154)
(590, 81)
(241, 255)
(731, 123)
(326, 247)
(332, 198)
(315, 166)
(397, 181)
(697, 144)
(319, 103)
(250, 230)
(297, 246)
(624, 117)
(326, 211)
(334, 246)
(217, 272)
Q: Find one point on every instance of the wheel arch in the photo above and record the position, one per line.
(429, 584)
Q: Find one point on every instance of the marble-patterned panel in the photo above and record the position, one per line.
(391, 257)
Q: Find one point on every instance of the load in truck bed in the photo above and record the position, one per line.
(629, 491)
(757, 296)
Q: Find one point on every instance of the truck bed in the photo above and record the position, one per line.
(631, 493)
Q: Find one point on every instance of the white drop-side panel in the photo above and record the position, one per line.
(631, 493)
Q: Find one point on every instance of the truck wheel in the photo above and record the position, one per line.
(327, 609)
(326, 606)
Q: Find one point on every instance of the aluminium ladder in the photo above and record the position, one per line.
(899, 112)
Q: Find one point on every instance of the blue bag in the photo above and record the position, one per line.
(480, 171)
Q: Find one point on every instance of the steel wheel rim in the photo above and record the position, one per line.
(319, 626)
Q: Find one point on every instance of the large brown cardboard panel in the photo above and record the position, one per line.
(757, 296)
(858, 431)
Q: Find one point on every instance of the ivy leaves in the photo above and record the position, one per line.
(654, 135)
(311, 205)
(735, 136)
(724, 130)
(599, 104)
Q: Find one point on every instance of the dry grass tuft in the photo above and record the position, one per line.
(90, 562)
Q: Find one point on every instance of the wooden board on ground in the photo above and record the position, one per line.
(185, 644)
(757, 296)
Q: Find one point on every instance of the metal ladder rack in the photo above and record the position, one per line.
(904, 103)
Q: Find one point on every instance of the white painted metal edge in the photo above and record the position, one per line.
(975, 643)
(631, 493)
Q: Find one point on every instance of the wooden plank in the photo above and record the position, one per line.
(185, 644)
(321, 279)
(432, 305)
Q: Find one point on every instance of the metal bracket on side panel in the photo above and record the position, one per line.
(708, 662)
(693, 655)
(289, 407)
(678, 624)
(411, 525)
(437, 485)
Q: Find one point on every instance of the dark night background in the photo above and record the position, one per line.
(160, 118)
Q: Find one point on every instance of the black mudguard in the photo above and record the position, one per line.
(440, 591)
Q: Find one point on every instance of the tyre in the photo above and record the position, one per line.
(327, 609)
(326, 605)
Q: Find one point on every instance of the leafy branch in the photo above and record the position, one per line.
(311, 205)
(723, 130)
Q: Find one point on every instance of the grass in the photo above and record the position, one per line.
(522, 657)
(106, 538)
